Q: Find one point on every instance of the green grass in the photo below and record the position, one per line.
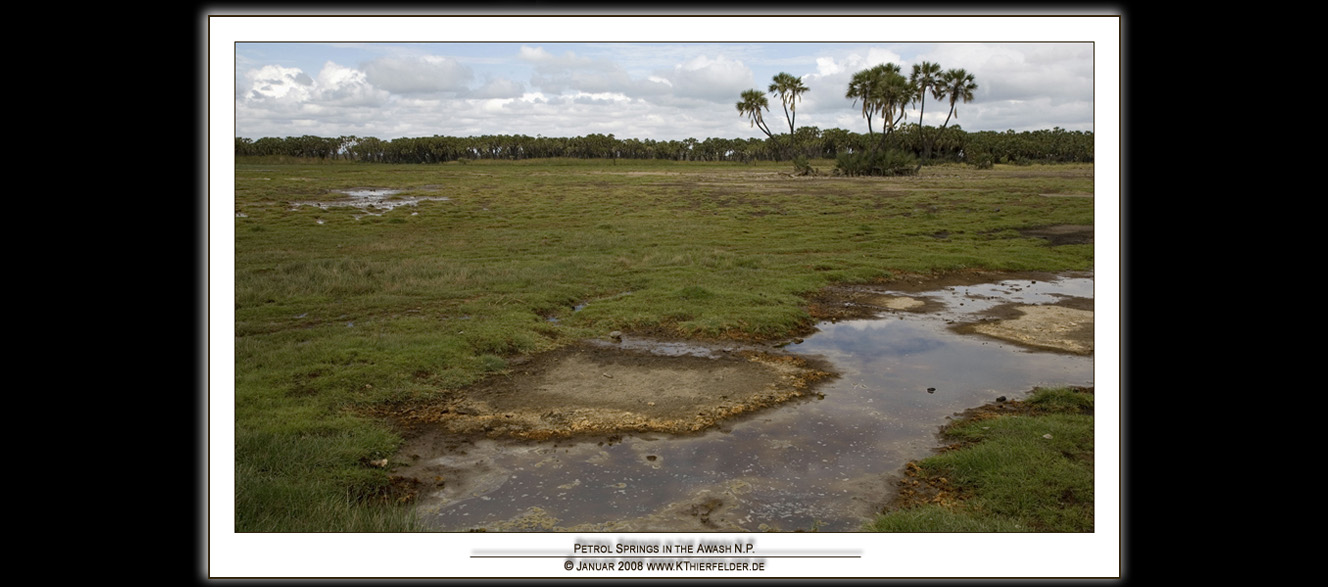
(1014, 473)
(424, 300)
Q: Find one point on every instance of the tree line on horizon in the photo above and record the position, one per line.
(951, 144)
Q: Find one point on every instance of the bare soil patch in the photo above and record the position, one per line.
(594, 390)
(1051, 327)
(590, 389)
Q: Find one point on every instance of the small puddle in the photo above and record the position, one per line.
(374, 201)
(822, 464)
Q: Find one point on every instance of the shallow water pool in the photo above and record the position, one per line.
(825, 464)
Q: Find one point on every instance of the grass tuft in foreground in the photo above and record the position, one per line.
(1016, 467)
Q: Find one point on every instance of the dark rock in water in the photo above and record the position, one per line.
(931, 390)
(1000, 399)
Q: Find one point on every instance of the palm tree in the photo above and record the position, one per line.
(790, 90)
(956, 85)
(883, 91)
(893, 95)
(926, 78)
(860, 90)
(753, 102)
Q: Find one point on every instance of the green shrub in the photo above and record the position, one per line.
(801, 166)
(982, 160)
(889, 162)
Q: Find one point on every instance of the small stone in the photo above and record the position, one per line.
(616, 335)
(1047, 436)
(1000, 399)
(931, 390)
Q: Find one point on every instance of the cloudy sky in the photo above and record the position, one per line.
(662, 91)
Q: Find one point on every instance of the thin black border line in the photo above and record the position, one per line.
(683, 556)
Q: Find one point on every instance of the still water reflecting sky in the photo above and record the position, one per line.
(824, 463)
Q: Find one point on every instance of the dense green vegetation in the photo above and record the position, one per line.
(337, 310)
(1042, 146)
(1025, 472)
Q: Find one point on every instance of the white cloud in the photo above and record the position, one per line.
(277, 83)
(424, 74)
(497, 88)
(545, 59)
(287, 90)
(344, 86)
(599, 97)
(338, 101)
(715, 80)
(827, 66)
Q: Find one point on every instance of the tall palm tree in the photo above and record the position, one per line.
(893, 95)
(926, 78)
(751, 105)
(789, 89)
(860, 90)
(956, 85)
(883, 91)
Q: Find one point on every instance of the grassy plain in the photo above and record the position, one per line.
(335, 314)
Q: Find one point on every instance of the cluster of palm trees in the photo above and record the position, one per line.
(789, 89)
(883, 93)
(883, 90)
